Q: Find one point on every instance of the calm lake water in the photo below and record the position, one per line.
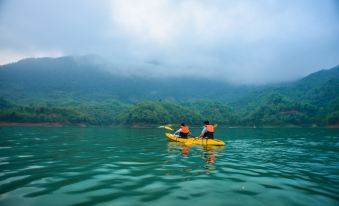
(117, 166)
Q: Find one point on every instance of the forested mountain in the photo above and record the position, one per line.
(75, 90)
(81, 78)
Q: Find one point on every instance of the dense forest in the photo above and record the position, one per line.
(75, 91)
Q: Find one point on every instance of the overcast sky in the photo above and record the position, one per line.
(242, 41)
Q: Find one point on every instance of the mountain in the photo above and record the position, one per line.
(80, 78)
(320, 88)
(86, 90)
(320, 77)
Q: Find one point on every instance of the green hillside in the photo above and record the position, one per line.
(82, 79)
(77, 90)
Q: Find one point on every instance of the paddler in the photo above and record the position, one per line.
(183, 131)
(208, 131)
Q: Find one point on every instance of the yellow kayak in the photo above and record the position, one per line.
(189, 141)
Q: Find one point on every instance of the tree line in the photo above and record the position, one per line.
(271, 109)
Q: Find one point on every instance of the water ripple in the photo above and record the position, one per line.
(90, 166)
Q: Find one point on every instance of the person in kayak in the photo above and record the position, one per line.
(208, 131)
(183, 131)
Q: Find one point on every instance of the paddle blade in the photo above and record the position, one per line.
(168, 128)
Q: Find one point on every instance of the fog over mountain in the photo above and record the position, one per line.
(251, 42)
(74, 90)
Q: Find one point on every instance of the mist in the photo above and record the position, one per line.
(243, 42)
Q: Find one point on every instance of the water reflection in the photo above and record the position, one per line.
(209, 155)
(185, 151)
(194, 157)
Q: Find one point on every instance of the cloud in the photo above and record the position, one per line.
(239, 41)
(165, 22)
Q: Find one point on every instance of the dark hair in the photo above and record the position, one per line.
(182, 124)
(206, 122)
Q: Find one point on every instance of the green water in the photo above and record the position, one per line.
(110, 166)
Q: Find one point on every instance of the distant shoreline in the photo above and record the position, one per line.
(30, 124)
(82, 125)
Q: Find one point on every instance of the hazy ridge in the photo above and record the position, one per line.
(76, 90)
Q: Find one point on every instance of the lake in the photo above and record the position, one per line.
(123, 166)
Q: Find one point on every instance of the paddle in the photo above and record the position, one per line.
(166, 126)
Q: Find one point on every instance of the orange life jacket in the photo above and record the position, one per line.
(210, 128)
(184, 129)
